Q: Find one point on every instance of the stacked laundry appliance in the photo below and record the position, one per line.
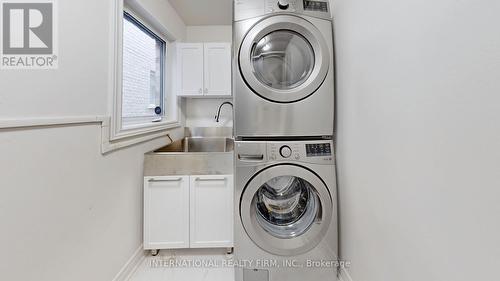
(285, 184)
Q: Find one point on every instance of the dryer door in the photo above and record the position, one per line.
(286, 209)
(284, 58)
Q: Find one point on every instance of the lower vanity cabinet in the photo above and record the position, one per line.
(188, 212)
(211, 211)
(166, 212)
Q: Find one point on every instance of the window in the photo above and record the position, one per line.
(143, 85)
(144, 106)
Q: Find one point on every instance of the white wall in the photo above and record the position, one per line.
(78, 86)
(209, 33)
(66, 211)
(201, 112)
(418, 138)
(164, 13)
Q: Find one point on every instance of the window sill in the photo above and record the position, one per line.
(137, 131)
(111, 142)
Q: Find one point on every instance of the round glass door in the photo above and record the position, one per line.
(286, 209)
(284, 58)
(286, 206)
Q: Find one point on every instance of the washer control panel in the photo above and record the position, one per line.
(316, 6)
(304, 151)
(281, 5)
(318, 149)
(285, 151)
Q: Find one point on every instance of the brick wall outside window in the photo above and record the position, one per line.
(140, 63)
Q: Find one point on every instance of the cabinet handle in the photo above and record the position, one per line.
(206, 90)
(211, 179)
(200, 91)
(165, 180)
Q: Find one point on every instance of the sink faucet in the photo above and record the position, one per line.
(220, 107)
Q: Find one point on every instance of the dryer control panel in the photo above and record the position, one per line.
(245, 9)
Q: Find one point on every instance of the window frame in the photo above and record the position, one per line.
(171, 117)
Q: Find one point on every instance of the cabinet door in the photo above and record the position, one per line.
(190, 69)
(166, 212)
(217, 64)
(211, 211)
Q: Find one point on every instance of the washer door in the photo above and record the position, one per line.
(284, 58)
(286, 209)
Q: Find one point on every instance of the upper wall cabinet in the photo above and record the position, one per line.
(190, 69)
(204, 70)
(217, 69)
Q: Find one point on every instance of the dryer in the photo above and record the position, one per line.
(283, 78)
(286, 206)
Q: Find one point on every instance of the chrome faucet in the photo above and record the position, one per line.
(220, 107)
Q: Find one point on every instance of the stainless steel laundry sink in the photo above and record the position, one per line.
(199, 144)
(203, 151)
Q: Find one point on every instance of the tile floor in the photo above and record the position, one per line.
(186, 265)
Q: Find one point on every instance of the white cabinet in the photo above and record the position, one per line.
(217, 69)
(166, 216)
(211, 211)
(188, 212)
(204, 70)
(190, 69)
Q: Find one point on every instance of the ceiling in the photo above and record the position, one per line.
(204, 12)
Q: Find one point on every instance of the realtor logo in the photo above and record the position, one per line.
(28, 34)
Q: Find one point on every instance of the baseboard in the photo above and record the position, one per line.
(131, 265)
(344, 275)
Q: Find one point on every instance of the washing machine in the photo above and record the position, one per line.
(283, 78)
(286, 206)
